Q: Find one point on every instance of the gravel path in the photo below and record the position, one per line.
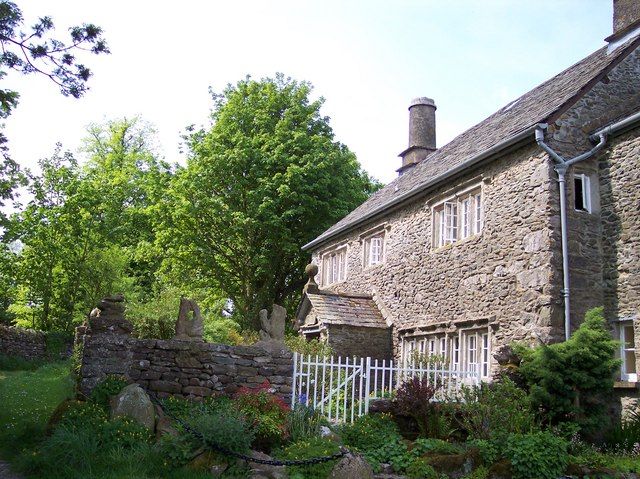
(5, 471)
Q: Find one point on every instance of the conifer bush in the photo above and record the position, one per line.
(572, 381)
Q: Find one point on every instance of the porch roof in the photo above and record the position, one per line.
(340, 309)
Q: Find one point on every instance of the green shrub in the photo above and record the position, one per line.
(421, 469)
(572, 381)
(494, 410)
(177, 450)
(414, 398)
(540, 455)
(186, 408)
(105, 389)
(266, 413)
(315, 347)
(436, 446)
(624, 437)
(489, 450)
(303, 422)
(481, 472)
(224, 430)
(370, 432)
(123, 433)
(307, 449)
(84, 416)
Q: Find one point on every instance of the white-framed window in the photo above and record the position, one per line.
(582, 192)
(455, 352)
(374, 249)
(458, 217)
(465, 350)
(334, 266)
(627, 351)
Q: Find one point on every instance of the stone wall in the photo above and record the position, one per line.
(614, 179)
(358, 341)
(181, 367)
(502, 275)
(620, 200)
(24, 343)
(31, 344)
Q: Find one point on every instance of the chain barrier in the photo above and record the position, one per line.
(228, 452)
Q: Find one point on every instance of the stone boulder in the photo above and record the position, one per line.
(352, 465)
(133, 402)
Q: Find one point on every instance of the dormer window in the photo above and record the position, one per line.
(334, 266)
(374, 249)
(457, 218)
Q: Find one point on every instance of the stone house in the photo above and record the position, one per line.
(475, 244)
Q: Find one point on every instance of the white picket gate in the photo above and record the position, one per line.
(340, 388)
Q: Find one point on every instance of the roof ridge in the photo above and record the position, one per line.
(540, 104)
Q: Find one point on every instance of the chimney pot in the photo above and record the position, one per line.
(422, 132)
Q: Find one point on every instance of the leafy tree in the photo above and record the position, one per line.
(572, 381)
(8, 286)
(88, 231)
(266, 178)
(35, 51)
(131, 182)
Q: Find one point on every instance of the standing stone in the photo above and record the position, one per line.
(134, 403)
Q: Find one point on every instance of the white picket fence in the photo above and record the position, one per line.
(341, 387)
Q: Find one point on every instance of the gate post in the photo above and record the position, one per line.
(293, 382)
(367, 385)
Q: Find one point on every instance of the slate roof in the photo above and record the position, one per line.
(346, 309)
(543, 104)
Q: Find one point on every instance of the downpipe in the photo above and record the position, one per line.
(561, 167)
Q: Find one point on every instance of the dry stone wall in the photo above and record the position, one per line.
(184, 368)
(24, 343)
(30, 344)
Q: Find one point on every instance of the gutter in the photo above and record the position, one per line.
(409, 195)
(562, 165)
(618, 127)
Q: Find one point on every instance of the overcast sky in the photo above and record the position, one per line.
(368, 59)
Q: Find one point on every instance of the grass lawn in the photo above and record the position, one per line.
(27, 399)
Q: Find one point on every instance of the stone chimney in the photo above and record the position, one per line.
(626, 13)
(422, 133)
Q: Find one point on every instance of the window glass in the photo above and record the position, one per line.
(467, 350)
(457, 218)
(628, 351)
(374, 250)
(582, 193)
(334, 266)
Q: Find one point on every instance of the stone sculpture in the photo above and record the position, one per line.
(272, 329)
(189, 326)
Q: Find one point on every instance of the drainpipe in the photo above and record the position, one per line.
(561, 167)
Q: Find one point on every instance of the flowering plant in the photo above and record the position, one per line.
(265, 412)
